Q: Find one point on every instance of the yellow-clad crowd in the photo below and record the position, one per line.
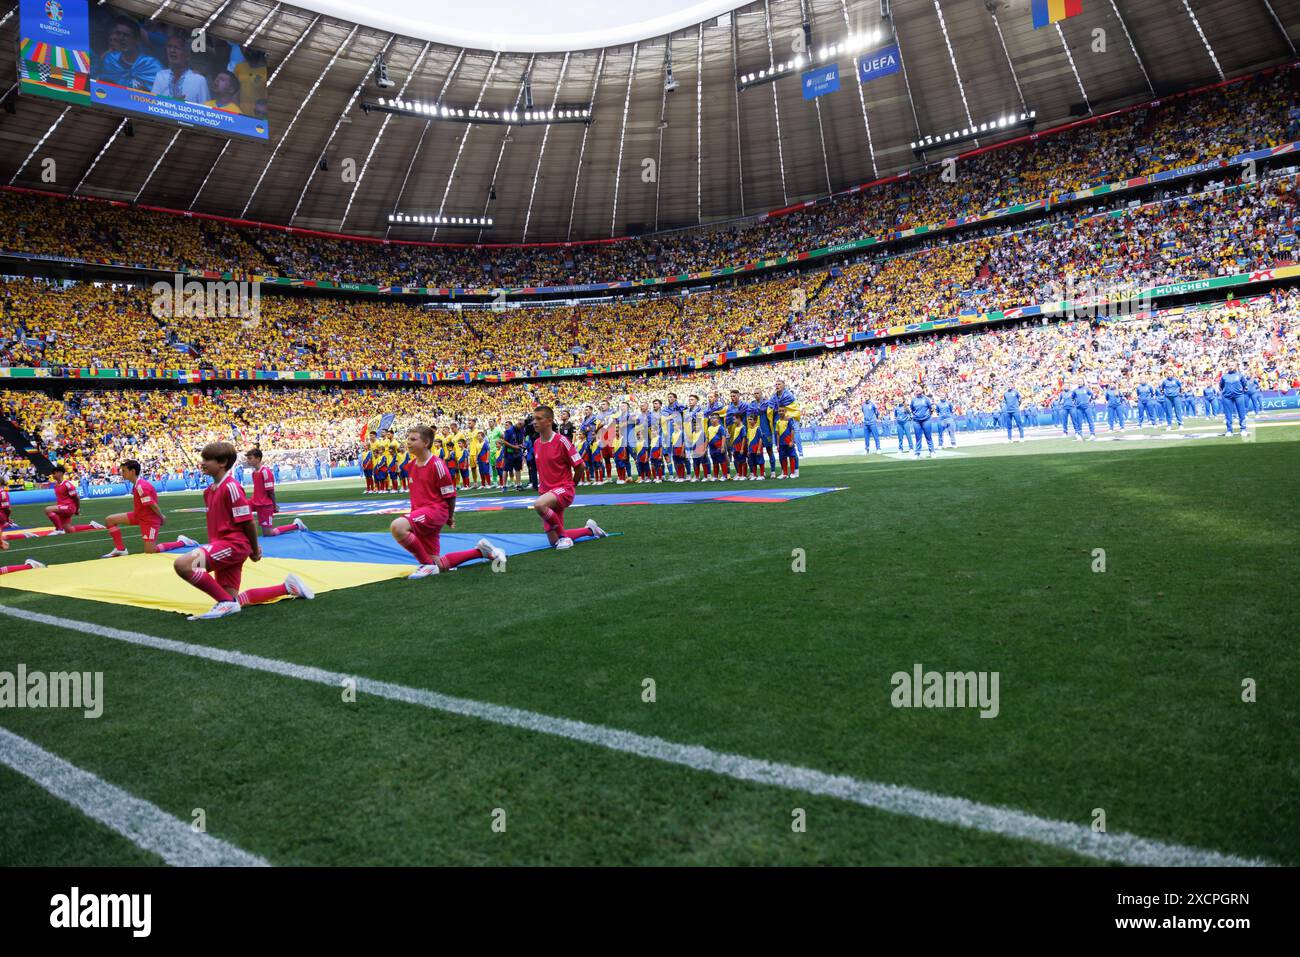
(96, 429)
(1183, 238)
(1255, 113)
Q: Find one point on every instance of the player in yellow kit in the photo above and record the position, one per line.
(379, 455)
(368, 465)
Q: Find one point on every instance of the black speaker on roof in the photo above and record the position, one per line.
(1079, 109)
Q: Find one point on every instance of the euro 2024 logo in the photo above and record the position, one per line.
(54, 10)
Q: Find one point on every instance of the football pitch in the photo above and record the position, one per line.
(727, 683)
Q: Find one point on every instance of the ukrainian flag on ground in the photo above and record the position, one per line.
(1051, 11)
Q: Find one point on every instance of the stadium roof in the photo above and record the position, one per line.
(718, 153)
(535, 26)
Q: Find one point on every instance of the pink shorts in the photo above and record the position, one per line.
(67, 511)
(226, 562)
(427, 524)
(564, 496)
(265, 515)
(148, 524)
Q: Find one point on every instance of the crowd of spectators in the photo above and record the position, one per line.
(1254, 113)
(1189, 237)
(1194, 344)
(95, 429)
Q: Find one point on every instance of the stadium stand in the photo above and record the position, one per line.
(1253, 113)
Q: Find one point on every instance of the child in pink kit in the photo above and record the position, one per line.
(232, 540)
(559, 468)
(264, 497)
(145, 513)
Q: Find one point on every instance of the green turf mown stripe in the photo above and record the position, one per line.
(146, 825)
(1117, 847)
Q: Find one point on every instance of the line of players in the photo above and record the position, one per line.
(658, 442)
(1237, 395)
(696, 442)
(385, 462)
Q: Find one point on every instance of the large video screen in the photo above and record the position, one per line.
(98, 56)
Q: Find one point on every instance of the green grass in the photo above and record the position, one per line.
(1119, 690)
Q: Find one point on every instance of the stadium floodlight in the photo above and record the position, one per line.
(1027, 120)
(853, 43)
(433, 219)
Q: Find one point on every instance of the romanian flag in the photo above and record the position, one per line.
(1052, 11)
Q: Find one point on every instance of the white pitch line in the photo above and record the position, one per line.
(145, 825)
(1078, 839)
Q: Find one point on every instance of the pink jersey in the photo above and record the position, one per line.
(556, 459)
(263, 487)
(65, 494)
(143, 495)
(430, 483)
(227, 510)
(4, 500)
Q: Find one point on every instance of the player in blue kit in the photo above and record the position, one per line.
(1254, 395)
(870, 425)
(947, 419)
(1114, 408)
(697, 453)
(766, 427)
(903, 426)
(1210, 400)
(1083, 413)
(1146, 399)
(1233, 395)
(786, 420)
(1170, 392)
(1011, 413)
(734, 419)
(922, 410)
(1066, 399)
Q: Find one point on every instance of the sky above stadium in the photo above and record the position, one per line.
(527, 26)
